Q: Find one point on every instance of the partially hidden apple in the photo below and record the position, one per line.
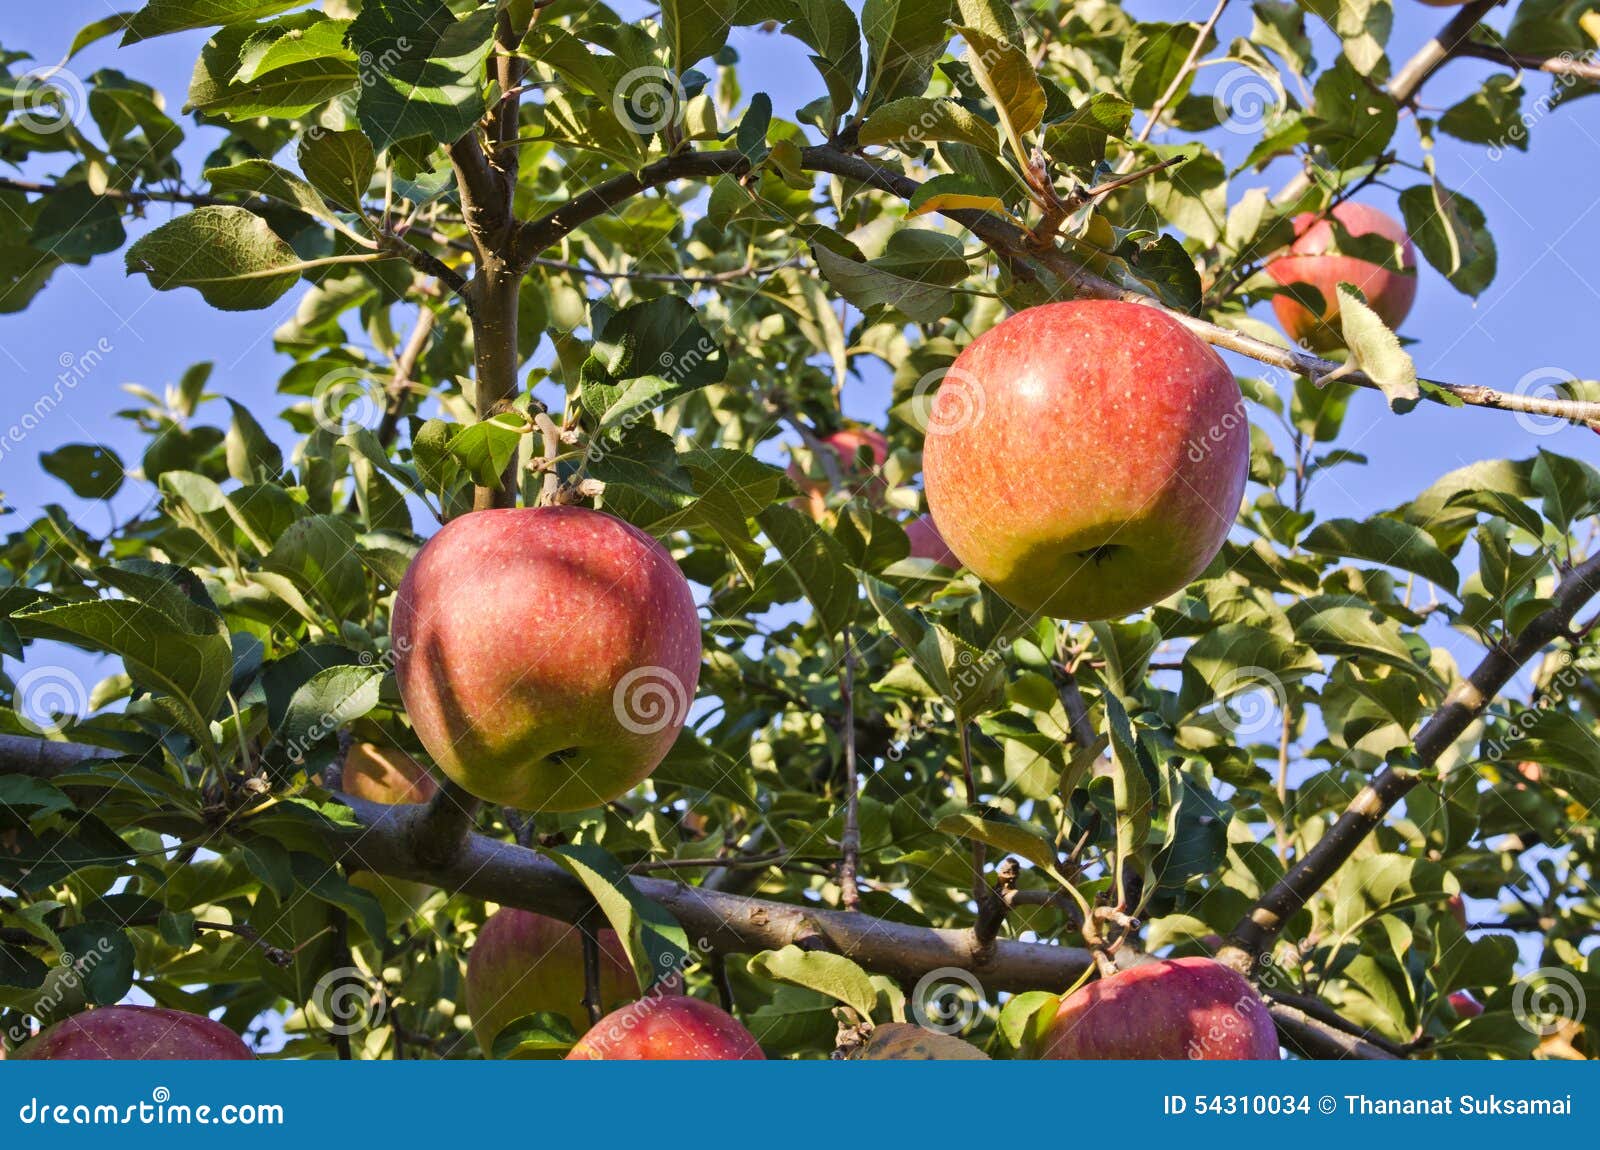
(135, 1033)
(1086, 459)
(525, 963)
(927, 543)
(1180, 1008)
(547, 656)
(666, 1027)
(1465, 1005)
(1389, 292)
(846, 445)
(388, 776)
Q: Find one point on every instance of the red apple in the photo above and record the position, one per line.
(665, 1027)
(547, 656)
(135, 1033)
(1465, 1005)
(525, 963)
(1389, 292)
(1086, 459)
(927, 543)
(1176, 1008)
(845, 444)
(388, 776)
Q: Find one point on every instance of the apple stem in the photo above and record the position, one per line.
(980, 889)
(850, 838)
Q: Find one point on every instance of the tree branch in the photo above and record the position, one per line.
(1465, 702)
(388, 840)
(1563, 65)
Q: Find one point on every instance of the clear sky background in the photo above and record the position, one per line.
(1537, 319)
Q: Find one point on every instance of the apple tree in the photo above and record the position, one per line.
(566, 261)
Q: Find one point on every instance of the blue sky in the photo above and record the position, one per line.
(1540, 206)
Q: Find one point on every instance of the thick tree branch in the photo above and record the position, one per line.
(1465, 702)
(399, 842)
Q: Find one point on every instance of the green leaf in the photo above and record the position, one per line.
(75, 224)
(325, 704)
(695, 29)
(656, 944)
(904, 38)
(340, 165)
(102, 954)
(1386, 541)
(1006, 833)
(831, 974)
(185, 654)
(260, 178)
(319, 554)
(324, 883)
(252, 457)
(160, 17)
(534, 1035)
(229, 255)
(1130, 786)
(91, 470)
(486, 448)
(1452, 234)
(1152, 58)
(911, 124)
(1006, 74)
(1239, 657)
(1382, 883)
(1377, 351)
(432, 83)
(1079, 139)
(817, 561)
(872, 284)
(647, 355)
